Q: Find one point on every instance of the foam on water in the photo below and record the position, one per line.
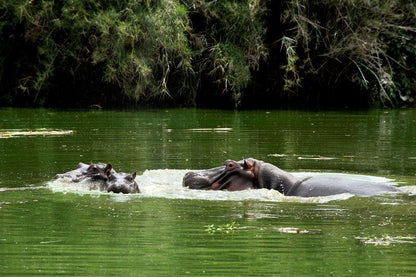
(167, 183)
(65, 185)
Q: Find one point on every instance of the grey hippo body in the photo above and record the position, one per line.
(254, 174)
(103, 176)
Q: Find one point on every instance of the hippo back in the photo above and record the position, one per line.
(325, 186)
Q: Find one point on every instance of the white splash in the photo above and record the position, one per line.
(167, 183)
(65, 185)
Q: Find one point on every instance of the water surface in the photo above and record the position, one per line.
(50, 228)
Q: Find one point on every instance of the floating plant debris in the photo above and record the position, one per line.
(35, 132)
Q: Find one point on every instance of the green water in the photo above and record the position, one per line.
(44, 232)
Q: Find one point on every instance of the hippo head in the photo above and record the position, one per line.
(232, 176)
(95, 172)
(104, 176)
(117, 182)
(122, 183)
(99, 172)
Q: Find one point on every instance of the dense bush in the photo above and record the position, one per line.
(369, 43)
(215, 53)
(132, 45)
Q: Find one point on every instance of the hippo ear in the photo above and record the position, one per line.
(133, 175)
(248, 165)
(108, 168)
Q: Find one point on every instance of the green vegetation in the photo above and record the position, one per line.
(369, 43)
(225, 228)
(252, 53)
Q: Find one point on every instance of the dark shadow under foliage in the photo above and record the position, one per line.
(215, 54)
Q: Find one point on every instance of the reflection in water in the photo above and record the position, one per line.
(371, 143)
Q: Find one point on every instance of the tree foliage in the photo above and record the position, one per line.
(371, 43)
(135, 43)
(171, 51)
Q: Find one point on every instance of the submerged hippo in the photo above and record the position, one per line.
(83, 171)
(104, 176)
(255, 174)
(122, 182)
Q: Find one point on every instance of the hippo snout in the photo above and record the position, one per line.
(186, 179)
(194, 180)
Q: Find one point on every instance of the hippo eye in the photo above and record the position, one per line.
(230, 166)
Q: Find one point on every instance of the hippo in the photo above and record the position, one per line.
(104, 176)
(83, 171)
(122, 182)
(233, 176)
(255, 174)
